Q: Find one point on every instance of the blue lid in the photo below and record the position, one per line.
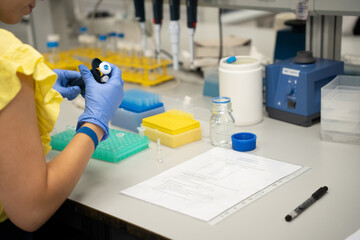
(112, 34)
(121, 35)
(221, 99)
(83, 29)
(52, 44)
(231, 59)
(102, 37)
(243, 141)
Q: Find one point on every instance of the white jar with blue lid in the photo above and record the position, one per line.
(240, 78)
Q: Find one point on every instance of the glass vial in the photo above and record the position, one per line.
(222, 123)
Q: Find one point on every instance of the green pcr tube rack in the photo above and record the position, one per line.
(118, 146)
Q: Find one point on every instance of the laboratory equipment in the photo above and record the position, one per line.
(222, 123)
(293, 87)
(53, 48)
(102, 44)
(139, 6)
(340, 110)
(241, 80)
(294, 33)
(135, 106)
(118, 146)
(158, 151)
(112, 41)
(99, 70)
(158, 15)
(191, 10)
(120, 44)
(174, 29)
(174, 128)
(82, 38)
(243, 141)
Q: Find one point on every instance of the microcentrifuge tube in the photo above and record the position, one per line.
(120, 137)
(141, 131)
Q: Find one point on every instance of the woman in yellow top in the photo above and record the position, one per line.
(31, 190)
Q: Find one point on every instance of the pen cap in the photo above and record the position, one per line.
(319, 193)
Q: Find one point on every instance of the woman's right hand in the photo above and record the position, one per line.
(101, 100)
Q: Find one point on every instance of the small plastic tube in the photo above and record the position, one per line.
(158, 149)
(141, 131)
(120, 137)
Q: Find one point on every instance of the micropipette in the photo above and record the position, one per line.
(174, 28)
(140, 16)
(191, 10)
(158, 15)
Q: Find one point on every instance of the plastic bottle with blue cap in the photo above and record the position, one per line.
(222, 123)
(102, 44)
(112, 41)
(53, 48)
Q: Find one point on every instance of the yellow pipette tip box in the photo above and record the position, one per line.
(172, 122)
(174, 128)
(173, 141)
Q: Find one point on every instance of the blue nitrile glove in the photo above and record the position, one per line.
(62, 83)
(101, 99)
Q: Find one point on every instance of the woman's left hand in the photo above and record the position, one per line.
(62, 83)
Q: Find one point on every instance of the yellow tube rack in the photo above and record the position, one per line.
(142, 70)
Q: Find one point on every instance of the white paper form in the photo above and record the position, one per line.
(211, 183)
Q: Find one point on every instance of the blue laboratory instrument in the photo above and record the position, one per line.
(293, 87)
(136, 105)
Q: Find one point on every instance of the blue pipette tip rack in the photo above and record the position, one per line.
(118, 146)
(136, 105)
(243, 141)
(136, 100)
(231, 59)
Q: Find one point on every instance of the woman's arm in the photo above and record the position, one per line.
(31, 190)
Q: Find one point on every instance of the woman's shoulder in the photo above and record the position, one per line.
(7, 39)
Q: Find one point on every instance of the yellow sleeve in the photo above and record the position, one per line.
(18, 57)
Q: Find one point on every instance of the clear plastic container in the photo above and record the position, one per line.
(222, 123)
(340, 110)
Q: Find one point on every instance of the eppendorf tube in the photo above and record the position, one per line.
(120, 137)
(141, 131)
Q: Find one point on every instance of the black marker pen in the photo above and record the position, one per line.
(314, 197)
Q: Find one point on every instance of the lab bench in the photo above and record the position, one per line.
(97, 206)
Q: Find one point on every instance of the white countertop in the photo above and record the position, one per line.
(336, 165)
